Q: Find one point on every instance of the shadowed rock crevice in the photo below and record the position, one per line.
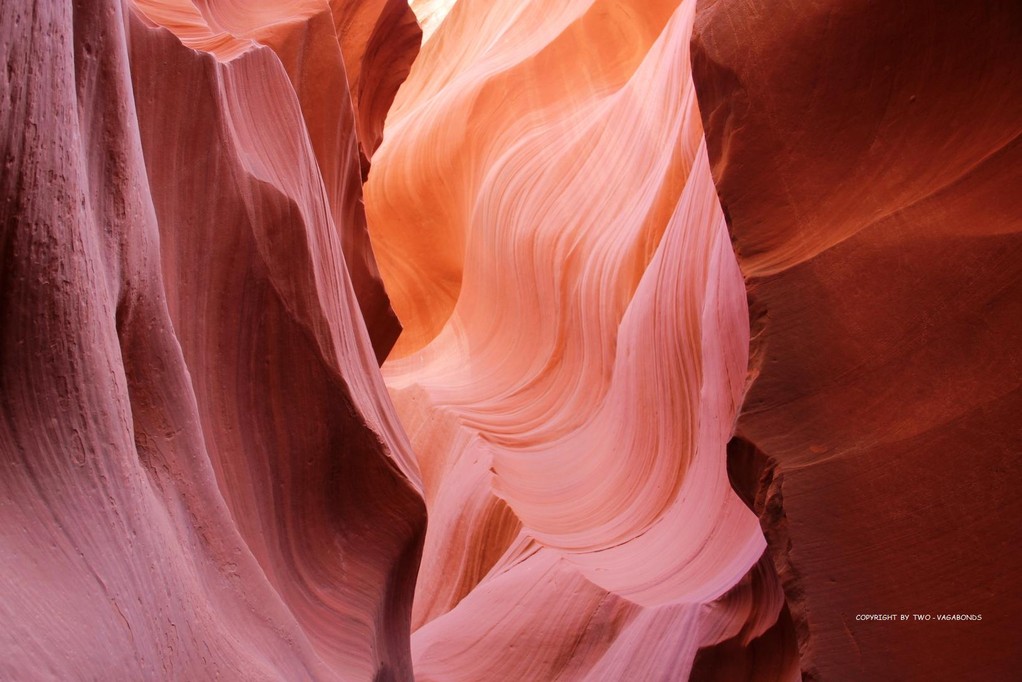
(755, 478)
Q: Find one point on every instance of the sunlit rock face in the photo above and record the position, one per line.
(868, 157)
(574, 350)
(202, 475)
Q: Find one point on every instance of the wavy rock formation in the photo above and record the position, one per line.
(709, 339)
(868, 157)
(202, 473)
(574, 351)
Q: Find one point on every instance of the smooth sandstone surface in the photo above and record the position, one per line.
(868, 156)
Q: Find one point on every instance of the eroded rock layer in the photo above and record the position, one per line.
(202, 475)
(574, 351)
(685, 383)
(868, 156)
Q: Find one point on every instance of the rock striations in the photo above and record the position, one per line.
(202, 474)
(693, 329)
(574, 353)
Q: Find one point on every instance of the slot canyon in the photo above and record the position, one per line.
(511, 340)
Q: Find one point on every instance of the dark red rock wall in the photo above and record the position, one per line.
(868, 156)
(379, 39)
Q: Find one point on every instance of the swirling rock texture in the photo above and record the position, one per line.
(678, 405)
(574, 352)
